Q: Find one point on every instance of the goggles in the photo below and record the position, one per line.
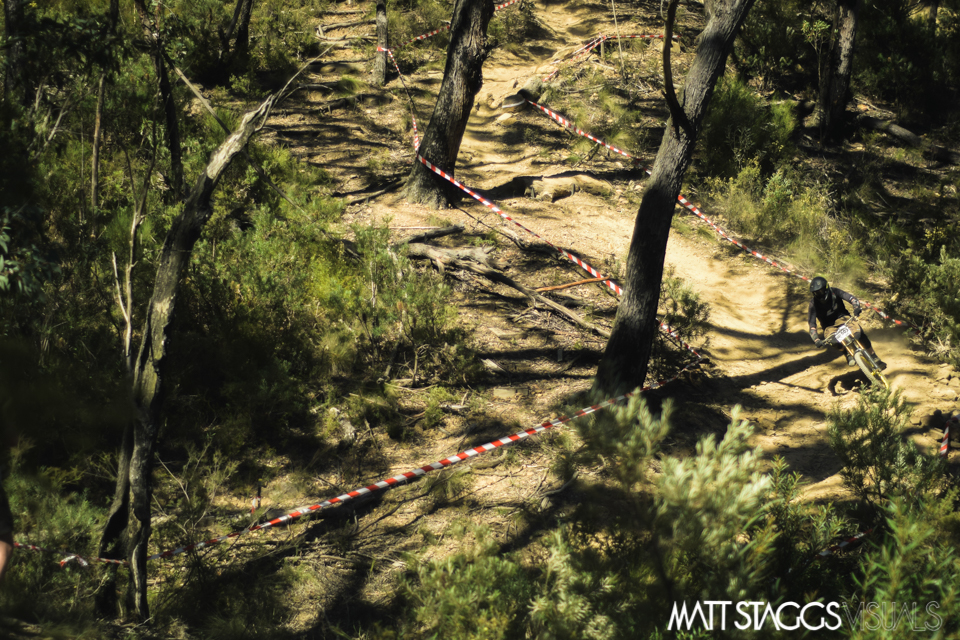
(821, 294)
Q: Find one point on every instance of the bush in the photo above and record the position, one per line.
(790, 217)
(49, 515)
(928, 293)
(476, 593)
(775, 47)
(879, 462)
(682, 307)
(742, 128)
(510, 27)
(913, 565)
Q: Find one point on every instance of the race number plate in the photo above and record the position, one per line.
(842, 334)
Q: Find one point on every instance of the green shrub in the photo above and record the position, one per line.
(774, 46)
(475, 593)
(879, 462)
(50, 515)
(901, 59)
(911, 563)
(781, 211)
(682, 307)
(709, 512)
(742, 128)
(928, 293)
(510, 27)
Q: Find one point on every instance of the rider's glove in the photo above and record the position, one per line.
(820, 343)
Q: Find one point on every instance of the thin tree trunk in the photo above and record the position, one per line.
(225, 38)
(172, 126)
(15, 83)
(98, 121)
(624, 363)
(95, 152)
(133, 488)
(835, 84)
(462, 80)
(383, 42)
(242, 46)
(930, 10)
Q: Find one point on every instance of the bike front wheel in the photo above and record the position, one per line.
(870, 368)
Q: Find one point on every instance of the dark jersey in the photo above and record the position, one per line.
(828, 311)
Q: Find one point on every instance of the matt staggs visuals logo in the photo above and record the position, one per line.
(721, 615)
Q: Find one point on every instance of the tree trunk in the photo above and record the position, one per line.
(241, 48)
(239, 24)
(97, 123)
(624, 363)
(95, 151)
(930, 10)
(172, 126)
(462, 80)
(132, 495)
(383, 42)
(835, 84)
(15, 84)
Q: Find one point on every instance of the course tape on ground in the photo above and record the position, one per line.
(387, 483)
(446, 27)
(568, 124)
(413, 116)
(611, 284)
(583, 51)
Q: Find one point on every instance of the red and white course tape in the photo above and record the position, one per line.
(568, 124)
(583, 264)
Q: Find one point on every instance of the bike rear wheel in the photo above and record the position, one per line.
(870, 368)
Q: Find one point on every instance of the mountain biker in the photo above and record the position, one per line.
(827, 306)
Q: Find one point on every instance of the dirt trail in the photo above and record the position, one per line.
(758, 346)
(758, 341)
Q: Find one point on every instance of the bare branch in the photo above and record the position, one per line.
(677, 113)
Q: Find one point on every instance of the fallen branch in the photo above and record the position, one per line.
(478, 261)
(347, 39)
(436, 232)
(933, 151)
(348, 101)
(571, 284)
(246, 154)
(342, 25)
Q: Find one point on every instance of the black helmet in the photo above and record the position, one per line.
(819, 288)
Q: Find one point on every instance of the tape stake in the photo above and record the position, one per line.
(945, 442)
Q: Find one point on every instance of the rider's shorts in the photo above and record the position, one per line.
(851, 323)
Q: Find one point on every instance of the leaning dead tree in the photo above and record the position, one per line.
(128, 524)
(462, 80)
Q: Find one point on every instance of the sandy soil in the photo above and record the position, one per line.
(760, 354)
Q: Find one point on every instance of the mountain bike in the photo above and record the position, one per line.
(866, 362)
